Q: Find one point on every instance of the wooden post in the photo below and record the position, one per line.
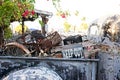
(44, 20)
(23, 19)
(1, 36)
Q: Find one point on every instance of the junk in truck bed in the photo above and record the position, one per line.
(34, 44)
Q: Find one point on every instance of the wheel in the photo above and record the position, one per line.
(16, 49)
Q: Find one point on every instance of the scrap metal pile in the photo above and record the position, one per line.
(32, 44)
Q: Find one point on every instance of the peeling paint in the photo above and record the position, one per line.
(67, 69)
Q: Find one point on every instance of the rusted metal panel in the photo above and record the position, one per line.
(67, 69)
(109, 66)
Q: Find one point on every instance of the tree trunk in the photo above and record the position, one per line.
(0, 2)
(1, 36)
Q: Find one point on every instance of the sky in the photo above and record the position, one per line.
(92, 9)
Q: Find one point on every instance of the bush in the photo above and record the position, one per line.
(7, 33)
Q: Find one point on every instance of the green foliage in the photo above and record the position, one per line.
(7, 33)
(41, 23)
(77, 13)
(11, 10)
(67, 26)
(56, 4)
(8, 10)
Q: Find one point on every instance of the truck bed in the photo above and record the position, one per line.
(67, 68)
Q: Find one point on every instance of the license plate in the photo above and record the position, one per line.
(73, 51)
